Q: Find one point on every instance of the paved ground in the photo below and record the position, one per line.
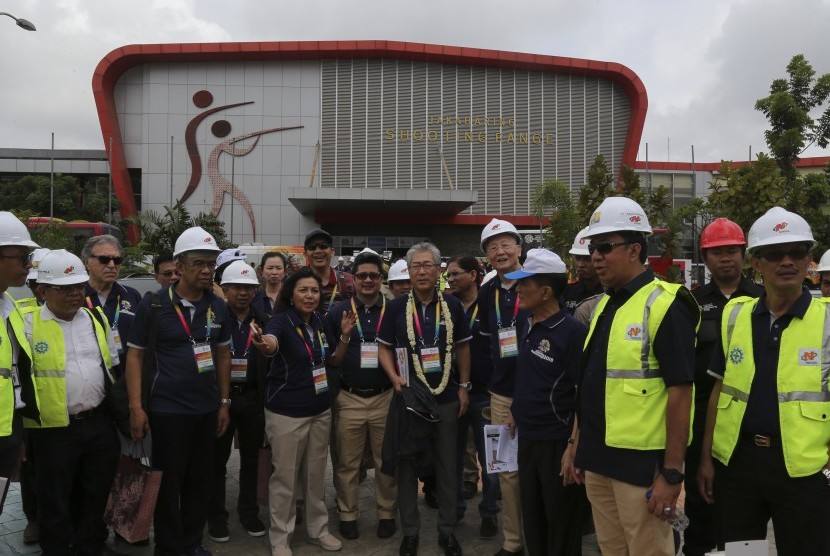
(12, 523)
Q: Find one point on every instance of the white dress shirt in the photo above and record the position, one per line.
(6, 308)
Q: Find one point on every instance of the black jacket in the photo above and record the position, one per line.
(410, 427)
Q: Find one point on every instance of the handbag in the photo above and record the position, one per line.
(264, 471)
(132, 499)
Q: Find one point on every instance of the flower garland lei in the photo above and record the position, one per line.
(410, 333)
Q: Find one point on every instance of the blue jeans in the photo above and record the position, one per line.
(488, 507)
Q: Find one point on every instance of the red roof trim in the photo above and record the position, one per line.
(114, 64)
(810, 162)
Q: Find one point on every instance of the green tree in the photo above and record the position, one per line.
(630, 185)
(73, 199)
(553, 199)
(600, 185)
(788, 108)
(159, 231)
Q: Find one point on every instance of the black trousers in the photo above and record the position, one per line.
(756, 487)
(183, 447)
(85, 453)
(10, 448)
(702, 534)
(552, 514)
(248, 420)
(28, 495)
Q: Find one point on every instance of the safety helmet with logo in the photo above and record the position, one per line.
(498, 227)
(61, 268)
(618, 214)
(195, 239)
(230, 255)
(721, 232)
(398, 271)
(777, 226)
(824, 262)
(13, 232)
(241, 273)
(580, 246)
(37, 257)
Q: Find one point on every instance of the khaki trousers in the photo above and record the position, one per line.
(359, 419)
(297, 443)
(622, 520)
(511, 502)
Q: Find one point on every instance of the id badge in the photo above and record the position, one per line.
(116, 337)
(508, 344)
(204, 358)
(431, 360)
(239, 370)
(321, 381)
(368, 355)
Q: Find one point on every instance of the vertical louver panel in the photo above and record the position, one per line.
(523, 145)
(480, 161)
(418, 140)
(345, 107)
(404, 78)
(328, 141)
(374, 128)
(464, 179)
(358, 123)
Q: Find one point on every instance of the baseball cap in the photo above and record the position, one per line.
(539, 261)
(317, 233)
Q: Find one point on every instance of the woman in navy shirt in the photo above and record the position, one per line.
(297, 410)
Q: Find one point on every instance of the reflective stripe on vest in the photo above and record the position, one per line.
(14, 325)
(804, 363)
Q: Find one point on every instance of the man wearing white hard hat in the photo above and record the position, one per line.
(399, 283)
(18, 395)
(248, 368)
(74, 439)
(824, 274)
(224, 259)
(635, 388)
(765, 452)
(502, 321)
(588, 284)
(544, 409)
(188, 406)
(31, 281)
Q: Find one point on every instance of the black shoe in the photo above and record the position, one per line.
(118, 539)
(459, 516)
(253, 526)
(450, 544)
(489, 528)
(218, 532)
(470, 489)
(386, 528)
(431, 500)
(107, 551)
(348, 530)
(409, 546)
(504, 552)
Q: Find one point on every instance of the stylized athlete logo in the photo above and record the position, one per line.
(220, 128)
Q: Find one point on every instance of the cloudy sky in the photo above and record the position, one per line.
(704, 62)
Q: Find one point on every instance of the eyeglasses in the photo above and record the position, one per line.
(319, 245)
(605, 247)
(201, 265)
(22, 259)
(105, 260)
(169, 273)
(454, 275)
(416, 267)
(367, 276)
(798, 254)
(504, 246)
(66, 289)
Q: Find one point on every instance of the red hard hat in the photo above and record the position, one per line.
(721, 231)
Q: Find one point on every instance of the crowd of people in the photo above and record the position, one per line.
(620, 388)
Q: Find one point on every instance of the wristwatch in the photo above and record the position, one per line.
(468, 386)
(672, 476)
(225, 401)
(826, 473)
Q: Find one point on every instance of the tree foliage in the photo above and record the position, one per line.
(159, 231)
(600, 184)
(553, 199)
(73, 199)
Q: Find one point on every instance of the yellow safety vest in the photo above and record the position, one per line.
(801, 379)
(49, 367)
(635, 393)
(6, 383)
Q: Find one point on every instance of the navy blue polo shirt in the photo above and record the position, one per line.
(263, 303)
(290, 390)
(761, 416)
(576, 293)
(370, 318)
(549, 363)
(674, 347)
(502, 381)
(240, 349)
(178, 387)
(393, 333)
(481, 361)
(123, 297)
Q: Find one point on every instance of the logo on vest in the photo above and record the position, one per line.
(126, 305)
(42, 347)
(544, 346)
(736, 355)
(808, 357)
(634, 332)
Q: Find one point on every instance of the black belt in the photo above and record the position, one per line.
(762, 441)
(364, 392)
(86, 414)
(242, 388)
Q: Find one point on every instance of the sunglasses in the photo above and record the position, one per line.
(605, 247)
(104, 260)
(367, 276)
(776, 256)
(22, 259)
(66, 289)
(169, 273)
(320, 245)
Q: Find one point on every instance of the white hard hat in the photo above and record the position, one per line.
(618, 214)
(239, 272)
(539, 261)
(195, 239)
(398, 271)
(824, 263)
(779, 225)
(340, 259)
(230, 255)
(580, 246)
(37, 256)
(370, 251)
(61, 268)
(13, 232)
(497, 227)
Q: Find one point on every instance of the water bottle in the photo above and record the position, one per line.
(679, 520)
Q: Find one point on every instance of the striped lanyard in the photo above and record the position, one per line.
(380, 319)
(117, 309)
(474, 315)
(308, 347)
(418, 323)
(247, 344)
(498, 308)
(186, 326)
(331, 299)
